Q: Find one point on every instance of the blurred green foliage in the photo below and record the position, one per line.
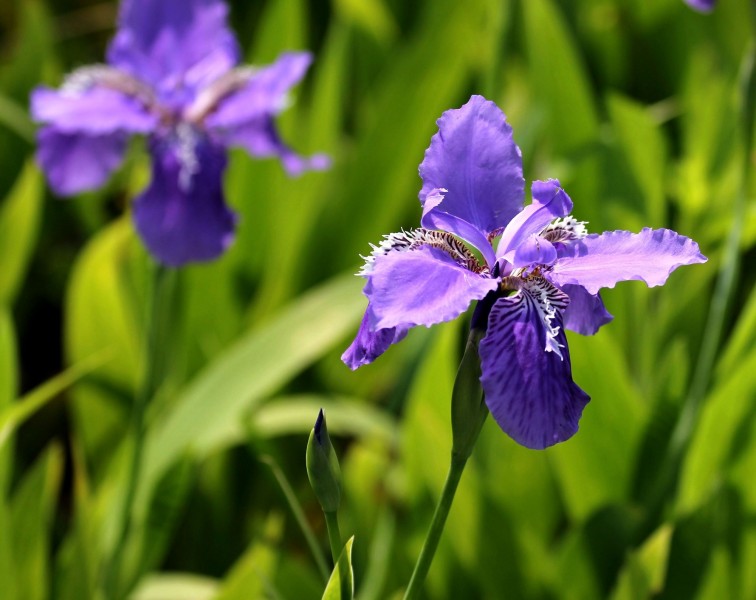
(634, 105)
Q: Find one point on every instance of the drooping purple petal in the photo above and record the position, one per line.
(175, 45)
(78, 162)
(434, 217)
(182, 216)
(93, 111)
(599, 261)
(261, 139)
(369, 345)
(530, 392)
(245, 117)
(550, 202)
(475, 158)
(264, 93)
(586, 313)
(421, 287)
(701, 5)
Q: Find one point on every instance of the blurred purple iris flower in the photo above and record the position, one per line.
(701, 5)
(542, 276)
(172, 76)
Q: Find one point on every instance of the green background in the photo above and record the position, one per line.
(635, 105)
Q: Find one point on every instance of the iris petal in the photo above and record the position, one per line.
(174, 44)
(529, 391)
(434, 217)
(550, 202)
(586, 313)
(475, 158)
(369, 345)
(78, 162)
(599, 261)
(182, 216)
(92, 111)
(421, 287)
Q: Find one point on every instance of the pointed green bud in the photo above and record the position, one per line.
(468, 406)
(323, 466)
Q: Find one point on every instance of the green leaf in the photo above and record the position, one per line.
(19, 224)
(208, 414)
(341, 584)
(370, 15)
(101, 316)
(645, 150)
(643, 573)
(31, 512)
(288, 415)
(15, 118)
(8, 387)
(14, 415)
(175, 586)
(559, 77)
(727, 408)
(253, 574)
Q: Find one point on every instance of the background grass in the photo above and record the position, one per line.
(635, 105)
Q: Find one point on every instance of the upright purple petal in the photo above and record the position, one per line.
(530, 392)
(78, 162)
(599, 261)
(550, 202)
(182, 216)
(92, 111)
(175, 45)
(421, 287)
(475, 158)
(434, 217)
(701, 5)
(369, 345)
(586, 313)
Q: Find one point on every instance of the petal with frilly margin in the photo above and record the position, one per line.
(586, 313)
(182, 216)
(475, 158)
(369, 345)
(77, 162)
(529, 391)
(92, 111)
(599, 261)
(421, 287)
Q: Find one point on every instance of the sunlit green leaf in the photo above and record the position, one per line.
(341, 584)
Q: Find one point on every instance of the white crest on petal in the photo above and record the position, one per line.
(413, 239)
(565, 230)
(105, 76)
(187, 139)
(549, 302)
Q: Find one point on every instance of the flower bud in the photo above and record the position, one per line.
(323, 466)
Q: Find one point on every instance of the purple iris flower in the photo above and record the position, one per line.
(701, 5)
(172, 76)
(543, 275)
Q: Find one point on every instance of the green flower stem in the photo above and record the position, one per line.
(334, 535)
(436, 528)
(155, 303)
